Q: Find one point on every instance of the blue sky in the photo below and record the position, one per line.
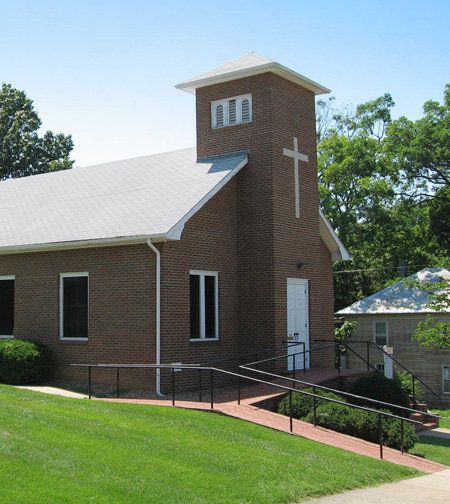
(105, 70)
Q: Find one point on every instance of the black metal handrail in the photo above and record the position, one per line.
(240, 377)
(340, 392)
(369, 343)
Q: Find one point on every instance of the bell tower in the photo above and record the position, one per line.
(256, 105)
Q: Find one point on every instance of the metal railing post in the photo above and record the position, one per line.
(315, 406)
(173, 387)
(117, 382)
(239, 390)
(380, 435)
(304, 357)
(200, 385)
(212, 388)
(339, 358)
(413, 388)
(290, 410)
(368, 354)
(402, 437)
(293, 372)
(89, 383)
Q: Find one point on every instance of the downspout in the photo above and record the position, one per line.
(158, 314)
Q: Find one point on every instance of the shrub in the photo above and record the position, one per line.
(380, 388)
(23, 361)
(302, 404)
(405, 380)
(363, 424)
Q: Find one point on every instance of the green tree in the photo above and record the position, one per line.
(22, 151)
(421, 149)
(430, 333)
(371, 203)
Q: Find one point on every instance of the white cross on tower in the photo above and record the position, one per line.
(297, 157)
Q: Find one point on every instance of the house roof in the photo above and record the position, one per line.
(129, 201)
(399, 297)
(246, 66)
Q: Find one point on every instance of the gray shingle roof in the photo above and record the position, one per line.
(143, 197)
(399, 298)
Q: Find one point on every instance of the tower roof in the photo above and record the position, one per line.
(246, 66)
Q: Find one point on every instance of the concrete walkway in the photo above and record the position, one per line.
(53, 391)
(430, 489)
(439, 432)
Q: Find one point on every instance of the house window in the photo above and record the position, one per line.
(380, 335)
(204, 305)
(235, 110)
(446, 379)
(74, 309)
(6, 306)
(379, 367)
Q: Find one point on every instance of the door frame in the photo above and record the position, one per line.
(305, 282)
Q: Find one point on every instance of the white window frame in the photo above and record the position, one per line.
(444, 366)
(239, 99)
(9, 277)
(61, 304)
(202, 274)
(374, 330)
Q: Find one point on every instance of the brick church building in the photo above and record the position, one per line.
(185, 256)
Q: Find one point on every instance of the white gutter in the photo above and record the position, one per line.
(158, 314)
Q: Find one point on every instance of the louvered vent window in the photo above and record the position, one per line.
(219, 116)
(231, 111)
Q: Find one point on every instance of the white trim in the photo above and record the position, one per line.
(274, 67)
(81, 244)
(61, 304)
(176, 231)
(329, 236)
(9, 277)
(225, 104)
(202, 273)
(374, 331)
(442, 376)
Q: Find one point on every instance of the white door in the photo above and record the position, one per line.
(297, 322)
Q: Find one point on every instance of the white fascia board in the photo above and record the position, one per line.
(176, 231)
(276, 68)
(341, 253)
(100, 242)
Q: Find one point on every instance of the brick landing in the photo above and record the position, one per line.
(226, 403)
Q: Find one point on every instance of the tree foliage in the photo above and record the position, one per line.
(22, 150)
(382, 184)
(430, 333)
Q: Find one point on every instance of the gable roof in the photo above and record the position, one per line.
(123, 201)
(248, 65)
(399, 298)
(128, 201)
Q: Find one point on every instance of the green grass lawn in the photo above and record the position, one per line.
(445, 421)
(433, 448)
(57, 450)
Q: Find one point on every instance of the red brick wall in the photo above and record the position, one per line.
(121, 318)
(271, 240)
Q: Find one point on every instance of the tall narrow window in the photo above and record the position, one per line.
(245, 110)
(232, 112)
(74, 311)
(204, 309)
(7, 306)
(380, 333)
(219, 116)
(446, 379)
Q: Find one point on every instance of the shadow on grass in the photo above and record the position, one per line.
(433, 448)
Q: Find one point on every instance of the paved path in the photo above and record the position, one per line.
(439, 432)
(54, 391)
(430, 489)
